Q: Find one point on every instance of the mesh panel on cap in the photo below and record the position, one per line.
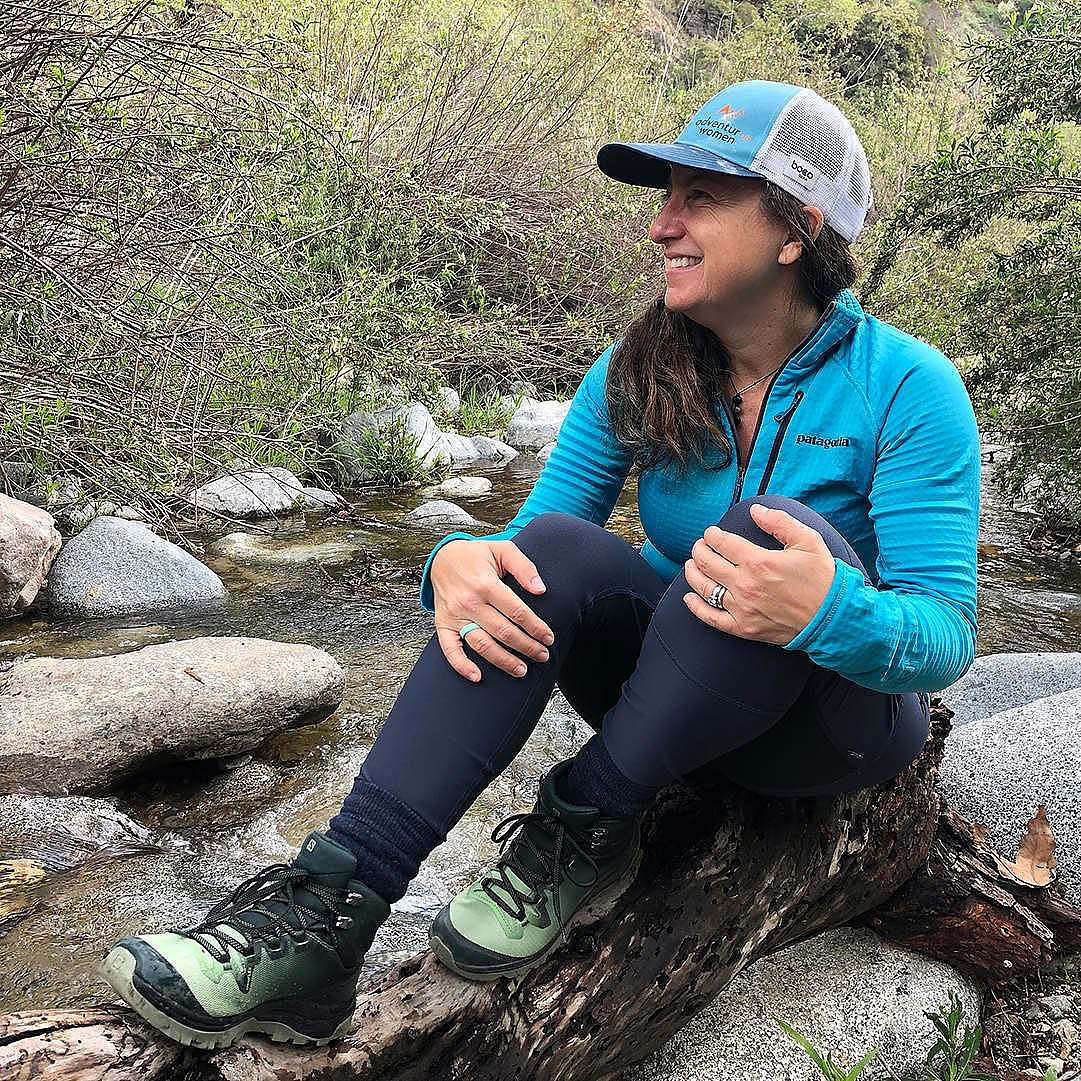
(810, 131)
(813, 152)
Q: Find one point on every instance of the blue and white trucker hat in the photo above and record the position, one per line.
(788, 134)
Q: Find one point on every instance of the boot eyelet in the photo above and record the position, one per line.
(344, 921)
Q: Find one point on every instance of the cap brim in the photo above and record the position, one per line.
(648, 164)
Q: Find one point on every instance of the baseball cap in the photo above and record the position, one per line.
(788, 134)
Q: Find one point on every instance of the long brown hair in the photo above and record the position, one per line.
(668, 371)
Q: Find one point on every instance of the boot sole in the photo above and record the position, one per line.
(606, 893)
(118, 968)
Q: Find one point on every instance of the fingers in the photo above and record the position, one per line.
(450, 643)
(790, 531)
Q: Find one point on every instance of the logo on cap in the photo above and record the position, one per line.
(801, 169)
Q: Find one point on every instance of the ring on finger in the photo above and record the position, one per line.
(716, 597)
(467, 628)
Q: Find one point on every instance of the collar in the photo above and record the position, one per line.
(841, 317)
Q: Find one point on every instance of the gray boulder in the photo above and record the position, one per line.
(247, 549)
(546, 450)
(321, 499)
(79, 726)
(250, 493)
(116, 567)
(29, 542)
(1001, 681)
(493, 450)
(536, 423)
(845, 990)
(998, 769)
(438, 514)
(462, 487)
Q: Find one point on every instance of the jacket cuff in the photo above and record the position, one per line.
(845, 578)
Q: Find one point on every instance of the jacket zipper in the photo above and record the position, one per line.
(784, 418)
(758, 424)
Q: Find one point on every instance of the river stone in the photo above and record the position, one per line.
(461, 487)
(437, 514)
(542, 454)
(250, 493)
(1001, 681)
(244, 548)
(493, 450)
(536, 423)
(321, 499)
(60, 832)
(846, 990)
(998, 769)
(29, 542)
(79, 726)
(116, 567)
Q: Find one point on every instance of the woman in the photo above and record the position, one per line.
(806, 580)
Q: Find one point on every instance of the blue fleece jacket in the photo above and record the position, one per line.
(867, 425)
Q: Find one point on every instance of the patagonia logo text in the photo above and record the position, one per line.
(820, 441)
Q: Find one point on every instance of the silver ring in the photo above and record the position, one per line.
(467, 628)
(716, 598)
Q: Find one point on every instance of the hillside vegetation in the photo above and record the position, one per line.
(221, 223)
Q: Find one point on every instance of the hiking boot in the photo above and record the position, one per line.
(562, 859)
(280, 955)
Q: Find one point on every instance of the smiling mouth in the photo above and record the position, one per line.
(681, 262)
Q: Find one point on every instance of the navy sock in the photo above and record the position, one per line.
(389, 838)
(596, 781)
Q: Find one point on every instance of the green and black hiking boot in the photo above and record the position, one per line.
(280, 955)
(563, 858)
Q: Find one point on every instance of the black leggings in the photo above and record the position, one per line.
(673, 697)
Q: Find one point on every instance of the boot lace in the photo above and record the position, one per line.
(277, 883)
(555, 871)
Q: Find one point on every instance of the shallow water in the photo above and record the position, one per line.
(78, 873)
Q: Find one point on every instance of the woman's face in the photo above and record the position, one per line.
(719, 246)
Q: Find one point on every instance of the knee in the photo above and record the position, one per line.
(737, 519)
(562, 540)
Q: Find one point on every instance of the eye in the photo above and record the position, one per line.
(697, 193)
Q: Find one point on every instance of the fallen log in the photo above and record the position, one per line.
(727, 877)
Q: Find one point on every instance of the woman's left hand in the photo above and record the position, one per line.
(771, 594)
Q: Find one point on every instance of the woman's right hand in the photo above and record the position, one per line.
(466, 578)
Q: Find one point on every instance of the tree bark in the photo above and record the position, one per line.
(727, 877)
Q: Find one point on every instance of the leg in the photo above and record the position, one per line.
(427, 764)
(751, 711)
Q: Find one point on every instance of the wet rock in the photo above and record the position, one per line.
(493, 450)
(250, 493)
(58, 833)
(247, 549)
(460, 487)
(116, 567)
(321, 499)
(536, 423)
(547, 449)
(29, 542)
(80, 726)
(998, 769)
(437, 514)
(1001, 681)
(846, 990)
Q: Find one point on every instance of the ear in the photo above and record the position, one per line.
(793, 246)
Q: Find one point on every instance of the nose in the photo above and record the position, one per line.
(668, 224)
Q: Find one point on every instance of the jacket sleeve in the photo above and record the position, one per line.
(915, 631)
(583, 475)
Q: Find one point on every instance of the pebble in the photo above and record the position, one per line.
(1055, 1064)
(1056, 1006)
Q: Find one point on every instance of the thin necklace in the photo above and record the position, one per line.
(737, 399)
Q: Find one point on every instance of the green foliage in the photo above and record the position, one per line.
(482, 412)
(1009, 187)
(949, 1059)
(826, 1066)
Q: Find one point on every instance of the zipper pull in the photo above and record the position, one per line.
(795, 401)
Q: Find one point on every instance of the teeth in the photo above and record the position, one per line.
(683, 260)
